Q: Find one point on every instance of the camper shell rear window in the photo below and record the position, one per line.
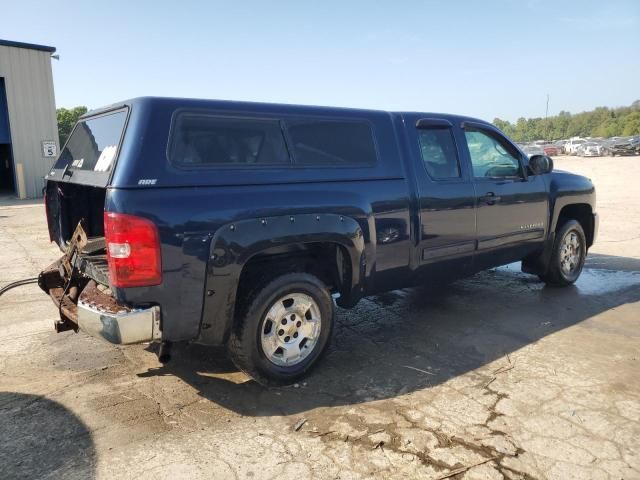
(91, 150)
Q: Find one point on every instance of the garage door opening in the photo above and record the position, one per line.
(7, 176)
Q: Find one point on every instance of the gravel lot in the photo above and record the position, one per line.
(496, 373)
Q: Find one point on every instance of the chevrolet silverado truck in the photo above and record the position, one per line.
(245, 224)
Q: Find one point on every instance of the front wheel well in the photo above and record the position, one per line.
(581, 212)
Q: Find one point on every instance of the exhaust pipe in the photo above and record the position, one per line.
(164, 352)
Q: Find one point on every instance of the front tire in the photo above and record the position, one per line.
(569, 253)
(284, 329)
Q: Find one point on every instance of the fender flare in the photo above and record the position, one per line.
(235, 244)
(538, 263)
(563, 201)
(568, 190)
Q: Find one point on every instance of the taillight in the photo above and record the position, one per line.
(133, 250)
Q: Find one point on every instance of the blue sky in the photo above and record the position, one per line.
(482, 58)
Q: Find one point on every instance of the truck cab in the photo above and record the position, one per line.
(245, 224)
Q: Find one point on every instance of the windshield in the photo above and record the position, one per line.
(93, 143)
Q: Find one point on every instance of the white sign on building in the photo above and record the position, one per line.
(49, 148)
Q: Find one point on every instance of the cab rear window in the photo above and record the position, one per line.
(93, 143)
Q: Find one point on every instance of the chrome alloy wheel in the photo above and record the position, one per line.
(290, 329)
(570, 253)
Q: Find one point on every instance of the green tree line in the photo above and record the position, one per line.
(67, 118)
(601, 122)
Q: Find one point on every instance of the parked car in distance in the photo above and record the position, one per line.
(625, 146)
(532, 150)
(550, 149)
(591, 149)
(573, 144)
(560, 145)
(243, 224)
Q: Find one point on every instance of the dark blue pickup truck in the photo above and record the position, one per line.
(243, 224)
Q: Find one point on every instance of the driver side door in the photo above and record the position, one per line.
(511, 206)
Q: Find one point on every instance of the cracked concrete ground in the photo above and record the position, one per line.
(496, 373)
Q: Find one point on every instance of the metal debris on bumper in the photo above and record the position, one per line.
(97, 312)
(101, 316)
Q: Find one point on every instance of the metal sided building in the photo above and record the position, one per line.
(29, 140)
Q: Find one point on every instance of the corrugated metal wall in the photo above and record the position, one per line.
(32, 114)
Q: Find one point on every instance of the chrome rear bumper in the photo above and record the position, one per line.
(92, 309)
(124, 327)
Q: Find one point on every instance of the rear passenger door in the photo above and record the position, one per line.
(512, 206)
(446, 198)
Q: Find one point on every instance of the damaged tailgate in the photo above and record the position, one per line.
(78, 285)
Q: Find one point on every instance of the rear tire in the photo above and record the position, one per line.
(283, 330)
(569, 253)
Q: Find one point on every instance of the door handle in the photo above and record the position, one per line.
(491, 198)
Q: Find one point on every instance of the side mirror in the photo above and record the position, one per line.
(540, 164)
